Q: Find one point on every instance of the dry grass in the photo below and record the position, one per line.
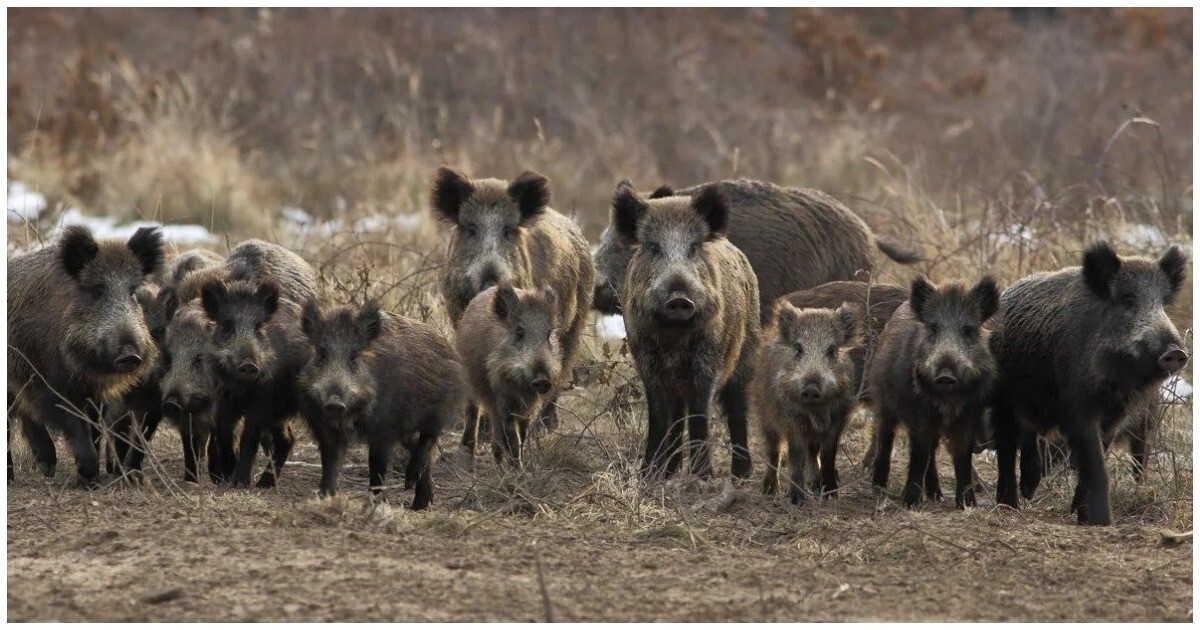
(993, 147)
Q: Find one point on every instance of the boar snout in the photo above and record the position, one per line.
(248, 370)
(679, 307)
(1172, 360)
(335, 408)
(945, 379)
(127, 359)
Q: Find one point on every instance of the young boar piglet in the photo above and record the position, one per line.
(932, 373)
(509, 343)
(381, 378)
(804, 391)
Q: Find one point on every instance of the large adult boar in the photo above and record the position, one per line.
(804, 391)
(510, 343)
(507, 233)
(932, 373)
(690, 301)
(1078, 349)
(77, 336)
(382, 378)
(794, 238)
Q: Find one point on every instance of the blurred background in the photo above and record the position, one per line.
(990, 139)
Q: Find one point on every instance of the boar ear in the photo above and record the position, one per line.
(370, 319)
(531, 191)
(662, 191)
(922, 289)
(450, 189)
(76, 249)
(310, 319)
(849, 318)
(268, 295)
(628, 210)
(212, 295)
(986, 296)
(1100, 265)
(505, 303)
(710, 205)
(785, 319)
(168, 300)
(147, 245)
(1174, 264)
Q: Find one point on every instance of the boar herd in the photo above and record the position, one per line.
(747, 294)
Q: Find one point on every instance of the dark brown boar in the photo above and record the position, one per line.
(384, 379)
(932, 373)
(505, 232)
(1078, 349)
(804, 392)
(691, 303)
(510, 344)
(794, 238)
(78, 338)
(257, 349)
(133, 421)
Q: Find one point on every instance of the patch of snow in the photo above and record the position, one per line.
(1175, 389)
(1016, 235)
(296, 215)
(1141, 235)
(108, 228)
(24, 204)
(611, 326)
(299, 222)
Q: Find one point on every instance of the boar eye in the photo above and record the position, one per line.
(968, 331)
(799, 349)
(934, 329)
(694, 249)
(831, 351)
(198, 362)
(95, 291)
(520, 333)
(510, 232)
(1128, 299)
(654, 249)
(470, 231)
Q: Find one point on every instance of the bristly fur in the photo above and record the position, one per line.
(147, 245)
(76, 249)
(450, 189)
(531, 191)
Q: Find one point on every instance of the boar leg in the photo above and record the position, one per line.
(883, 438)
(734, 403)
(699, 450)
(797, 461)
(377, 464)
(658, 414)
(41, 445)
(253, 430)
(1031, 464)
(673, 445)
(770, 483)
(1139, 441)
(120, 431)
(420, 472)
(80, 439)
(1006, 455)
(195, 442)
(921, 444)
(222, 458)
(332, 446)
(549, 413)
(135, 451)
(1091, 493)
(962, 447)
(829, 472)
(470, 436)
(933, 485)
(282, 441)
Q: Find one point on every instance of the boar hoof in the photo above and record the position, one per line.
(741, 468)
(912, 495)
(966, 498)
(266, 480)
(46, 468)
(770, 485)
(796, 496)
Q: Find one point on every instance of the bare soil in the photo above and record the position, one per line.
(577, 539)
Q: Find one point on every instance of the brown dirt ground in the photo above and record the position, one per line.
(608, 548)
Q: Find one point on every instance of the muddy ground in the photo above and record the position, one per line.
(575, 539)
